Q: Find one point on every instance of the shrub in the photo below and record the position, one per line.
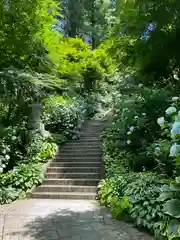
(48, 150)
(12, 146)
(170, 194)
(19, 181)
(134, 195)
(34, 147)
(143, 194)
(135, 118)
(152, 199)
(62, 116)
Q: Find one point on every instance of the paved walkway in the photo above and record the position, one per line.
(62, 220)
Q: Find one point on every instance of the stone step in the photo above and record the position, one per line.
(91, 137)
(80, 151)
(73, 175)
(91, 131)
(83, 145)
(65, 188)
(63, 195)
(76, 182)
(78, 147)
(78, 154)
(74, 172)
(86, 141)
(92, 125)
(93, 142)
(75, 164)
(77, 159)
(73, 169)
(88, 136)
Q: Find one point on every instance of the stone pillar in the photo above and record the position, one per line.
(34, 118)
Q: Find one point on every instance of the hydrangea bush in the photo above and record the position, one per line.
(143, 146)
(135, 129)
(170, 194)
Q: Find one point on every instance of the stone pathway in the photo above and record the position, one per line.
(62, 220)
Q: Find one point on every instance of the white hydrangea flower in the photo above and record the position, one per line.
(14, 138)
(171, 110)
(7, 157)
(176, 77)
(136, 117)
(143, 114)
(140, 85)
(129, 133)
(1, 169)
(175, 129)
(128, 141)
(132, 128)
(174, 150)
(174, 99)
(4, 151)
(161, 121)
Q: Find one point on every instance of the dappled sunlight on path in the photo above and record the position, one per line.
(62, 219)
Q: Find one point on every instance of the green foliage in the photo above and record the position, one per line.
(134, 195)
(147, 43)
(143, 193)
(23, 40)
(36, 62)
(134, 142)
(120, 206)
(62, 116)
(170, 194)
(87, 18)
(8, 194)
(135, 118)
(18, 181)
(160, 152)
(12, 146)
(48, 150)
(35, 146)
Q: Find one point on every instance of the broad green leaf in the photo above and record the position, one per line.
(164, 196)
(172, 229)
(178, 180)
(172, 208)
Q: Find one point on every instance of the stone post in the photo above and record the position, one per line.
(34, 118)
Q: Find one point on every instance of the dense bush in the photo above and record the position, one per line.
(19, 180)
(12, 146)
(170, 194)
(63, 115)
(140, 192)
(135, 118)
(141, 160)
(22, 162)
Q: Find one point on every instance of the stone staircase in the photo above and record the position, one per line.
(74, 172)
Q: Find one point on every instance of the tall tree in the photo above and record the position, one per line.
(87, 18)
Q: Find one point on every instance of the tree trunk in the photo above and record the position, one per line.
(93, 24)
